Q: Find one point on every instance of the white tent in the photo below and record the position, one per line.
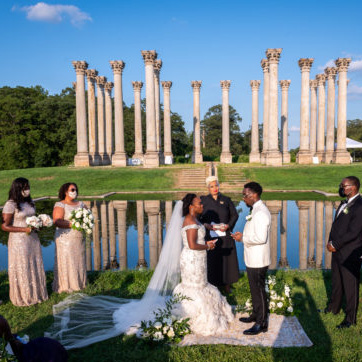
(350, 143)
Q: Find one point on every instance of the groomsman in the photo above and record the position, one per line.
(345, 243)
(257, 255)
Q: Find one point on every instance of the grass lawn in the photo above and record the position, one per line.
(309, 291)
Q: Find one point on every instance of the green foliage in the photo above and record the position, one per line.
(354, 131)
(4, 355)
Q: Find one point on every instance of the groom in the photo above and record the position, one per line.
(256, 255)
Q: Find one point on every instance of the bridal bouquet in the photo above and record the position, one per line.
(166, 327)
(82, 220)
(37, 222)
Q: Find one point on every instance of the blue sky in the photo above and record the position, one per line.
(196, 40)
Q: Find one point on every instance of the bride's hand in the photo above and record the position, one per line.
(211, 244)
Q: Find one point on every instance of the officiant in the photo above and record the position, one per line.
(219, 218)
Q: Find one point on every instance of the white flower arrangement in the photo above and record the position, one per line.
(345, 210)
(46, 220)
(166, 327)
(37, 222)
(82, 220)
(248, 217)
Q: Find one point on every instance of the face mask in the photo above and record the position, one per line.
(341, 192)
(25, 193)
(72, 194)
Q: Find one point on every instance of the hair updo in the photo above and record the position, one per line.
(187, 201)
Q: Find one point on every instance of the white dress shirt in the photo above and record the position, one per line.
(256, 237)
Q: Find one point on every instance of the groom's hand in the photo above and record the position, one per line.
(209, 227)
(330, 248)
(238, 236)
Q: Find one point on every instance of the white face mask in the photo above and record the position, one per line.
(72, 194)
(25, 193)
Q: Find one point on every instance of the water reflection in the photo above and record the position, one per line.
(129, 234)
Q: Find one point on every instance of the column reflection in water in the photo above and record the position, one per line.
(152, 209)
(283, 261)
(274, 208)
(140, 235)
(96, 238)
(88, 250)
(328, 226)
(105, 243)
(319, 234)
(159, 233)
(303, 207)
(121, 207)
(112, 237)
(312, 221)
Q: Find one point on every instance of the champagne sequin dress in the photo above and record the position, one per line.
(70, 272)
(26, 270)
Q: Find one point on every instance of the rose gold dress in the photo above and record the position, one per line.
(26, 270)
(70, 272)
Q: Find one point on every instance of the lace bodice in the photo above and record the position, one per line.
(200, 234)
(68, 208)
(19, 215)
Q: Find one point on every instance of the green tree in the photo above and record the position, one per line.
(354, 131)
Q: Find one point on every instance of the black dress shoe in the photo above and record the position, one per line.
(344, 324)
(256, 329)
(247, 319)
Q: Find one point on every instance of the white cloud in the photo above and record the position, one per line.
(330, 63)
(294, 129)
(55, 13)
(355, 65)
(354, 89)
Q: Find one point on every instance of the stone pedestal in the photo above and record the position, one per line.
(304, 155)
(254, 156)
(82, 157)
(284, 85)
(273, 156)
(167, 143)
(225, 156)
(138, 154)
(151, 157)
(265, 66)
(321, 79)
(196, 153)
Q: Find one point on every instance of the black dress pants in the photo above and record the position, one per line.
(256, 277)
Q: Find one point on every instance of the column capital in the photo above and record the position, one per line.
(91, 74)
(80, 66)
(225, 84)
(196, 84)
(313, 83)
(101, 80)
(303, 205)
(137, 86)
(305, 64)
(321, 79)
(342, 64)
(265, 65)
(273, 55)
(255, 84)
(117, 66)
(284, 84)
(166, 84)
(149, 56)
(331, 73)
(157, 65)
(108, 86)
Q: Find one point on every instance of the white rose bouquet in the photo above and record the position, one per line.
(46, 220)
(37, 222)
(82, 220)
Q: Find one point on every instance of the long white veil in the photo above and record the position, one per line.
(80, 320)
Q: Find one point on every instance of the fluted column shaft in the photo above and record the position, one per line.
(82, 156)
(321, 79)
(109, 119)
(328, 210)
(284, 85)
(274, 208)
(265, 66)
(156, 77)
(313, 117)
(331, 76)
(152, 209)
(303, 207)
(225, 156)
(96, 239)
(319, 234)
(105, 240)
(119, 158)
(167, 140)
(112, 236)
(121, 207)
(101, 81)
(196, 155)
(254, 156)
(137, 86)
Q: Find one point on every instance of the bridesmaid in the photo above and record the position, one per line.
(26, 270)
(70, 273)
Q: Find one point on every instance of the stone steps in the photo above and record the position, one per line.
(233, 179)
(192, 178)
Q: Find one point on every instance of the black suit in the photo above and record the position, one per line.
(346, 237)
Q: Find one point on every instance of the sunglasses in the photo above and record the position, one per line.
(72, 190)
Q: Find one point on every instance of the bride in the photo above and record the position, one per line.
(81, 320)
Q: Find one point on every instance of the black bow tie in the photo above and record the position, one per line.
(251, 208)
(344, 202)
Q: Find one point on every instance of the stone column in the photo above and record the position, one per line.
(319, 234)
(140, 236)
(138, 154)
(152, 209)
(321, 79)
(112, 237)
(109, 119)
(167, 140)
(225, 156)
(96, 239)
(92, 120)
(274, 208)
(265, 66)
(105, 241)
(88, 250)
(119, 158)
(254, 156)
(121, 207)
(303, 207)
(284, 85)
(151, 157)
(283, 261)
(101, 81)
(304, 155)
(328, 210)
(157, 65)
(168, 212)
(82, 156)
(313, 117)
(196, 153)
(342, 156)
(273, 156)
(312, 226)
(331, 77)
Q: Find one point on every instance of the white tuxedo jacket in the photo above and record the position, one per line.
(256, 237)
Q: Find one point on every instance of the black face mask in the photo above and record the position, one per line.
(341, 192)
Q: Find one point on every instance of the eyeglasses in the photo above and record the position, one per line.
(344, 186)
(72, 190)
(246, 195)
